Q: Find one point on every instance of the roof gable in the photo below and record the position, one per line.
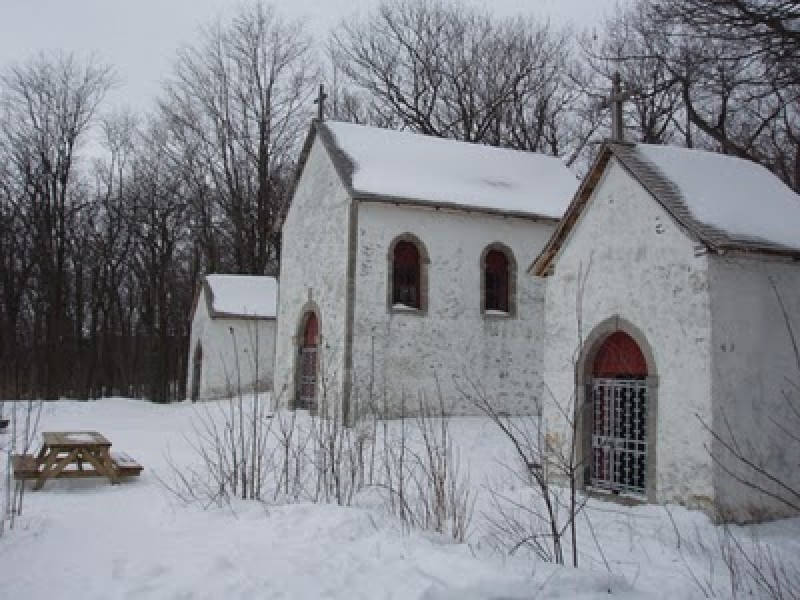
(695, 189)
(402, 167)
(241, 296)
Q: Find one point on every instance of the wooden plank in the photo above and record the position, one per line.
(24, 466)
(49, 462)
(55, 465)
(101, 463)
(73, 439)
(125, 465)
(76, 474)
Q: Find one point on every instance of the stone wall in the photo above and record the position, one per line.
(313, 274)
(238, 354)
(756, 381)
(402, 355)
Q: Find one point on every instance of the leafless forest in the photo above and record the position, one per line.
(101, 242)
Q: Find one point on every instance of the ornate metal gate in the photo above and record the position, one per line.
(308, 377)
(619, 434)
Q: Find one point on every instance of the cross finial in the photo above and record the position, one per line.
(320, 102)
(615, 100)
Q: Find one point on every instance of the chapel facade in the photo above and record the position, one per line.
(402, 280)
(672, 309)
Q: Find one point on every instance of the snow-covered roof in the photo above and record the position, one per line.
(408, 167)
(740, 198)
(726, 202)
(238, 296)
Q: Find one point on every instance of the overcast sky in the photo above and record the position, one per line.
(140, 37)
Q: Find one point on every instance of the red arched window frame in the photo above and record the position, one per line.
(311, 331)
(496, 278)
(619, 357)
(406, 275)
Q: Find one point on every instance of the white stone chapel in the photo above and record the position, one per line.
(232, 339)
(673, 300)
(403, 265)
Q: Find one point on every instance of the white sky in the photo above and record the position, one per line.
(140, 37)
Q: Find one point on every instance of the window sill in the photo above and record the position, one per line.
(402, 309)
(496, 315)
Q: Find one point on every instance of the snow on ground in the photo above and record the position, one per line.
(88, 539)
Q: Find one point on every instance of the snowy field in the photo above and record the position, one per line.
(88, 539)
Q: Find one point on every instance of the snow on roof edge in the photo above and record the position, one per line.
(727, 200)
(241, 296)
(374, 162)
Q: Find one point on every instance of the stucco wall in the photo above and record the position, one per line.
(238, 354)
(313, 269)
(756, 379)
(402, 352)
(642, 268)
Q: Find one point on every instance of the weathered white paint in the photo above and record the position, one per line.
(641, 268)
(313, 274)
(238, 354)
(408, 353)
(756, 377)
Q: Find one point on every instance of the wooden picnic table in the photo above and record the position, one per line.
(73, 454)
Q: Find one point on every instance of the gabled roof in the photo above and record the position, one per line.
(400, 167)
(241, 296)
(727, 203)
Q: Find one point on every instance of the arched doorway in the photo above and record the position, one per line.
(618, 411)
(309, 361)
(197, 371)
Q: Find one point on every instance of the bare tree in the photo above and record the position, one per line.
(158, 259)
(629, 46)
(441, 69)
(237, 106)
(768, 29)
(98, 258)
(49, 103)
(748, 51)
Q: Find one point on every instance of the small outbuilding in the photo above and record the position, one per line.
(232, 343)
(672, 324)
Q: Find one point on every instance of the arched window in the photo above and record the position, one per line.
(309, 362)
(406, 275)
(496, 282)
(619, 358)
(311, 331)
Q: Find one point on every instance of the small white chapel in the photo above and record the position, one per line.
(232, 339)
(673, 301)
(404, 263)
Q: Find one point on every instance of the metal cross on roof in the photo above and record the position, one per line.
(320, 102)
(615, 101)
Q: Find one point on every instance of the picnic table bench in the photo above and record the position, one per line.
(66, 454)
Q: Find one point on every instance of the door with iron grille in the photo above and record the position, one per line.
(308, 378)
(308, 364)
(619, 435)
(617, 396)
